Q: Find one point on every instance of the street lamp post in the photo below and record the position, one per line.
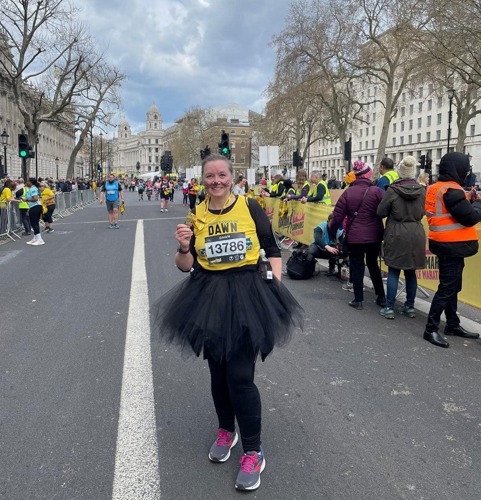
(4, 137)
(101, 163)
(450, 115)
(36, 158)
(56, 165)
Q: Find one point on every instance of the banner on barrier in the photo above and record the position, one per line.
(301, 219)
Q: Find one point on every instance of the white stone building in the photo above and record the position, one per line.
(420, 127)
(143, 149)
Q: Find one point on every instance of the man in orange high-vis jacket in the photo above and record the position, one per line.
(452, 237)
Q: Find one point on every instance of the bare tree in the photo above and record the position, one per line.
(387, 55)
(48, 58)
(313, 43)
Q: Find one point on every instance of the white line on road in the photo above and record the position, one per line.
(136, 460)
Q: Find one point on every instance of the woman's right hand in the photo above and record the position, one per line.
(183, 234)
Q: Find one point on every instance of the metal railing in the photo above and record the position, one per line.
(65, 204)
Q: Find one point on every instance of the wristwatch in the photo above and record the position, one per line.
(179, 250)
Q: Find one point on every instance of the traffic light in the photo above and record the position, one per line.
(169, 162)
(348, 150)
(23, 148)
(422, 161)
(429, 165)
(204, 153)
(295, 158)
(224, 148)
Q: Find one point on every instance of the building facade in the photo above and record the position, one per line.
(139, 153)
(420, 126)
(54, 143)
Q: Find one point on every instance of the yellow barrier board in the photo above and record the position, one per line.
(301, 219)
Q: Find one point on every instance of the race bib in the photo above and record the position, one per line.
(226, 248)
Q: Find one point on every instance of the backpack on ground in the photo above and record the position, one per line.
(299, 267)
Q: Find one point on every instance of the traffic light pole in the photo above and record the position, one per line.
(24, 169)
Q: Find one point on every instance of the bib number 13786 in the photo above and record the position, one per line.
(226, 248)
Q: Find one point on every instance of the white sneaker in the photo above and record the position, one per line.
(36, 243)
(161, 209)
(165, 210)
(31, 241)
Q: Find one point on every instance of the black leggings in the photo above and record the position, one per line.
(34, 213)
(236, 396)
(357, 267)
(192, 200)
(47, 217)
(25, 220)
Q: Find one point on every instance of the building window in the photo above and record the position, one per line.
(419, 137)
(438, 135)
(156, 159)
(360, 132)
(360, 145)
(420, 107)
(472, 130)
(420, 122)
(403, 97)
(428, 136)
(156, 141)
(374, 117)
(440, 102)
(149, 141)
(149, 168)
(150, 159)
(402, 140)
(373, 131)
(430, 88)
(150, 150)
(393, 141)
(410, 124)
(421, 90)
(394, 127)
(439, 153)
(402, 126)
(367, 131)
(243, 132)
(367, 144)
(403, 111)
(243, 145)
(232, 132)
(429, 121)
(232, 158)
(411, 109)
(243, 159)
(156, 150)
(373, 144)
(410, 139)
(430, 104)
(440, 118)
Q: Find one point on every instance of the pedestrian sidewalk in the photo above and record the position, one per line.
(470, 316)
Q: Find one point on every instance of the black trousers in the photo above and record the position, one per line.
(192, 200)
(371, 252)
(236, 396)
(34, 213)
(320, 253)
(446, 298)
(25, 219)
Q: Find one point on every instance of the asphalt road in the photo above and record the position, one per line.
(356, 407)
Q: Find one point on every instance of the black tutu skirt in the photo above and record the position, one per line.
(224, 312)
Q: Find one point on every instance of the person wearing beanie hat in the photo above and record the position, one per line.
(364, 231)
(388, 174)
(406, 168)
(362, 170)
(404, 238)
(452, 237)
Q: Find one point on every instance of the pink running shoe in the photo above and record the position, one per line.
(220, 450)
(251, 466)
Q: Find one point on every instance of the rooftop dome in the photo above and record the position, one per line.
(154, 108)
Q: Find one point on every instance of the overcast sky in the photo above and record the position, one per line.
(184, 53)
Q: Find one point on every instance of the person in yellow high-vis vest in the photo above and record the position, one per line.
(452, 237)
(388, 174)
(320, 191)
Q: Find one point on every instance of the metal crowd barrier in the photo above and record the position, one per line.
(65, 204)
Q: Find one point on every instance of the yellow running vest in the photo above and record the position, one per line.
(227, 240)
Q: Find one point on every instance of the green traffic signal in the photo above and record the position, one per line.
(225, 151)
(23, 154)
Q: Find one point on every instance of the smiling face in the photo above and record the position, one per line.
(217, 179)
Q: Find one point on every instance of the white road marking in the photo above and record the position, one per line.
(136, 460)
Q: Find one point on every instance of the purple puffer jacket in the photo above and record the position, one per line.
(367, 227)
